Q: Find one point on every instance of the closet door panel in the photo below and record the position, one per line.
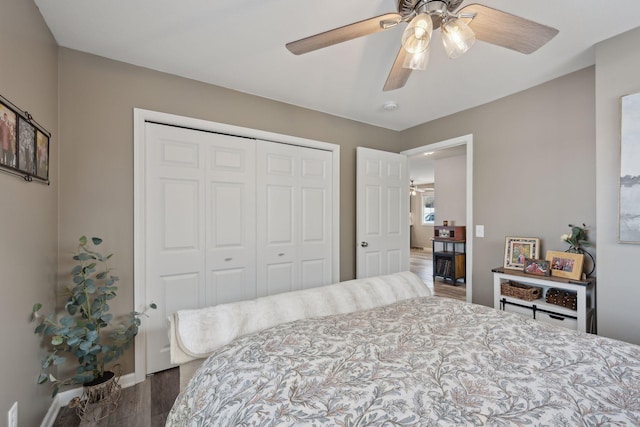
(231, 224)
(278, 225)
(315, 217)
(294, 193)
(174, 230)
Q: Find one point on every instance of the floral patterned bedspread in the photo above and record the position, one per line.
(421, 362)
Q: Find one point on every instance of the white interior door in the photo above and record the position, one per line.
(199, 226)
(382, 218)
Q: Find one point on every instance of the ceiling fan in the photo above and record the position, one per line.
(413, 189)
(459, 30)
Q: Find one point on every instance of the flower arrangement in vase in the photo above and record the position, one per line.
(578, 241)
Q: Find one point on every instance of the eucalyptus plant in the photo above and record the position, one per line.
(78, 333)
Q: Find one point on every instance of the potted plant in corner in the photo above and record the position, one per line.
(79, 334)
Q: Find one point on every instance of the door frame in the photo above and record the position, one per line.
(140, 117)
(454, 142)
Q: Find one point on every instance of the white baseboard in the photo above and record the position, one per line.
(62, 399)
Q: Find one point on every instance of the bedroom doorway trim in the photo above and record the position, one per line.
(140, 118)
(466, 140)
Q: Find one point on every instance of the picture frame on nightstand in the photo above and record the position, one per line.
(537, 267)
(518, 249)
(566, 264)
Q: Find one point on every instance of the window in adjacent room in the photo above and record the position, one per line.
(428, 208)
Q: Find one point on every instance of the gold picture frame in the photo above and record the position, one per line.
(517, 249)
(565, 264)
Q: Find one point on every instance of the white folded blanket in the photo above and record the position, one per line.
(196, 333)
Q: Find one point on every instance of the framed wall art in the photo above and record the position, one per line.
(565, 264)
(26, 147)
(42, 155)
(8, 133)
(629, 188)
(517, 249)
(24, 144)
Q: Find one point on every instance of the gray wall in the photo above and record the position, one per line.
(534, 167)
(617, 65)
(450, 185)
(28, 213)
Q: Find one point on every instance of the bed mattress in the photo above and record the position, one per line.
(421, 362)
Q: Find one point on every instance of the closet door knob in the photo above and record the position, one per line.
(281, 254)
(364, 244)
(228, 259)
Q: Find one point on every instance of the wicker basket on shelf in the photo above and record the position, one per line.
(520, 291)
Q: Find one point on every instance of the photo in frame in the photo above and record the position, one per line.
(538, 267)
(565, 264)
(42, 155)
(8, 133)
(26, 147)
(517, 249)
(629, 188)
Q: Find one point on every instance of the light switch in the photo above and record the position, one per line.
(479, 230)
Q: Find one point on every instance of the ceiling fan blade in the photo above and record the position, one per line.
(398, 75)
(504, 29)
(343, 34)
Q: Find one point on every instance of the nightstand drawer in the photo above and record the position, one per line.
(513, 308)
(557, 319)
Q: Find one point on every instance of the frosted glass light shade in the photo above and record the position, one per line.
(457, 37)
(416, 61)
(417, 36)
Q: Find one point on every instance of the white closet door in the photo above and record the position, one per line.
(199, 204)
(294, 218)
(314, 247)
(231, 219)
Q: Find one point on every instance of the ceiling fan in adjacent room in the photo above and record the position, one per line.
(459, 30)
(413, 189)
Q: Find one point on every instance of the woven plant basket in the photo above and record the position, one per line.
(99, 398)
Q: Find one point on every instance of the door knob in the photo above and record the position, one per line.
(364, 244)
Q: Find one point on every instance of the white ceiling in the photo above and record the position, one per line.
(240, 45)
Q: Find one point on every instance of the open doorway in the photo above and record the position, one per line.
(437, 197)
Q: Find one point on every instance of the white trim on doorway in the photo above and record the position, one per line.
(454, 142)
(140, 117)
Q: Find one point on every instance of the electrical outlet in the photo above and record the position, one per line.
(12, 416)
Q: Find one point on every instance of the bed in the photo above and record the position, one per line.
(419, 360)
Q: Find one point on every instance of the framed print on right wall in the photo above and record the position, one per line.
(629, 188)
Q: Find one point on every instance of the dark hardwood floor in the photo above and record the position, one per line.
(144, 405)
(421, 263)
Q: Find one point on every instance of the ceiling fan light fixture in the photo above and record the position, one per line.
(417, 61)
(457, 37)
(417, 36)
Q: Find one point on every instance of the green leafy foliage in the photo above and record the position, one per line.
(577, 239)
(78, 333)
